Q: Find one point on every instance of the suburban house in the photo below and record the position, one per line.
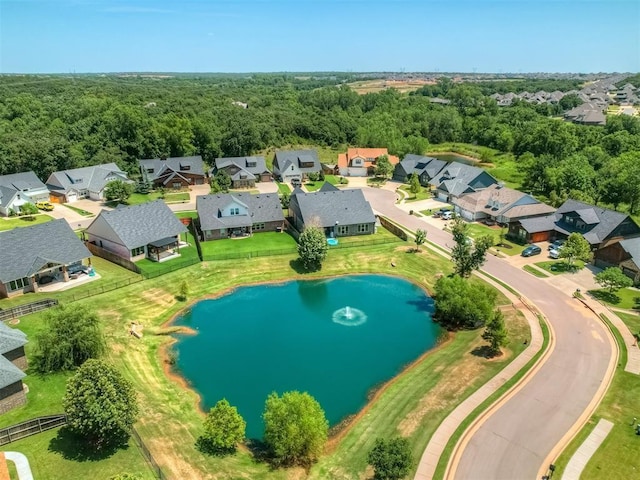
(624, 254)
(501, 204)
(295, 164)
(244, 171)
(148, 230)
(456, 179)
(13, 363)
(227, 215)
(33, 256)
(361, 162)
(425, 167)
(20, 188)
(599, 226)
(339, 212)
(590, 113)
(67, 186)
(175, 172)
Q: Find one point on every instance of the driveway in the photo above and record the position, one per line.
(267, 187)
(520, 437)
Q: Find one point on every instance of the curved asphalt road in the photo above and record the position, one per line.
(514, 442)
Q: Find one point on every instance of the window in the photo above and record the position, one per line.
(19, 283)
(343, 229)
(137, 251)
(149, 170)
(251, 164)
(363, 228)
(185, 167)
(234, 211)
(223, 231)
(177, 185)
(258, 226)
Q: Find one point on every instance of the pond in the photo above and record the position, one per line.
(335, 338)
(452, 157)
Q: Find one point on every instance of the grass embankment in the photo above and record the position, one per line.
(9, 223)
(627, 298)
(632, 321)
(534, 271)
(169, 420)
(617, 457)
(79, 211)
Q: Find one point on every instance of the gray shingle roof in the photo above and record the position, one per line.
(348, 207)
(92, 178)
(139, 225)
(328, 187)
(6, 195)
(22, 181)
(177, 164)
(538, 224)
(419, 163)
(632, 247)
(245, 163)
(283, 157)
(9, 373)
(26, 250)
(11, 338)
(262, 208)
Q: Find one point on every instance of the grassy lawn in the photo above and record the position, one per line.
(187, 214)
(556, 267)
(376, 181)
(423, 194)
(9, 223)
(334, 179)
(381, 235)
(534, 271)
(632, 321)
(313, 186)
(617, 457)
(137, 198)
(80, 211)
(477, 230)
(170, 421)
(627, 298)
(259, 242)
(177, 197)
(188, 255)
(283, 188)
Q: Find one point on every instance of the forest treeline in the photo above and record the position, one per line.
(54, 123)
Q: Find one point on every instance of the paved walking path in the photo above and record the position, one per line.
(582, 456)
(21, 463)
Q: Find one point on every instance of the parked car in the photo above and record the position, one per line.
(448, 215)
(296, 182)
(489, 222)
(554, 253)
(558, 244)
(531, 250)
(46, 206)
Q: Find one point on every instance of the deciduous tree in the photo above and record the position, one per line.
(391, 459)
(421, 237)
(383, 167)
(575, 248)
(466, 255)
(414, 184)
(223, 429)
(296, 429)
(613, 279)
(461, 303)
(117, 190)
(312, 248)
(496, 333)
(100, 404)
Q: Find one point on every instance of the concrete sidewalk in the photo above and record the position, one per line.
(584, 453)
(22, 465)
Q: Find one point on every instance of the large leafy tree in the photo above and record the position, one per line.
(72, 335)
(118, 190)
(576, 248)
(383, 167)
(613, 279)
(296, 428)
(312, 248)
(100, 404)
(466, 255)
(223, 429)
(461, 303)
(391, 459)
(496, 333)
(414, 184)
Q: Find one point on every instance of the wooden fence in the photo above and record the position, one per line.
(26, 309)
(393, 228)
(31, 427)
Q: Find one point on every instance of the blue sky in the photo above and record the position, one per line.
(50, 36)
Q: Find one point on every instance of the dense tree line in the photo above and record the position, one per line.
(53, 123)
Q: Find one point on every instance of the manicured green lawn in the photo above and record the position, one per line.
(9, 223)
(628, 298)
(80, 211)
(313, 186)
(556, 267)
(187, 214)
(137, 198)
(381, 235)
(534, 271)
(423, 194)
(617, 457)
(283, 188)
(188, 255)
(632, 321)
(258, 242)
(176, 197)
(477, 230)
(333, 179)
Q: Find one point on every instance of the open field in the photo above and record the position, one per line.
(373, 86)
(170, 422)
(9, 223)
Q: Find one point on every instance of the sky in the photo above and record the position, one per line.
(498, 36)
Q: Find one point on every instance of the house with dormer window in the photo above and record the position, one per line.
(20, 188)
(425, 167)
(228, 215)
(67, 186)
(457, 179)
(291, 165)
(173, 173)
(361, 162)
(244, 171)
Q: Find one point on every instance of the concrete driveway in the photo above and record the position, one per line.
(267, 187)
(520, 437)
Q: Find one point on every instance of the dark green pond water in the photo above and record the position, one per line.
(336, 339)
(452, 157)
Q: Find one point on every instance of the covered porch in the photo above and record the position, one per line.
(164, 249)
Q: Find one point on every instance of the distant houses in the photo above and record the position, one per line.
(339, 212)
(174, 172)
(68, 186)
(295, 165)
(148, 230)
(13, 363)
(38, 255)
(587, 114)
(361, 162)
(244, 171)
(238, 214)
(18, 189)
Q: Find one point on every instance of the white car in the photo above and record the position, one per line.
(554, 253)
(448, 215)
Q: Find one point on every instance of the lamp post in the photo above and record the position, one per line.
(335, 230)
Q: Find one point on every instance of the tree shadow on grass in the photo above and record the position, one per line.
(604, 296)
(483, 351)
(74, 447)
(299, 268)
(259, 451)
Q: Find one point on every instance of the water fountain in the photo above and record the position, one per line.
(349, 317)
